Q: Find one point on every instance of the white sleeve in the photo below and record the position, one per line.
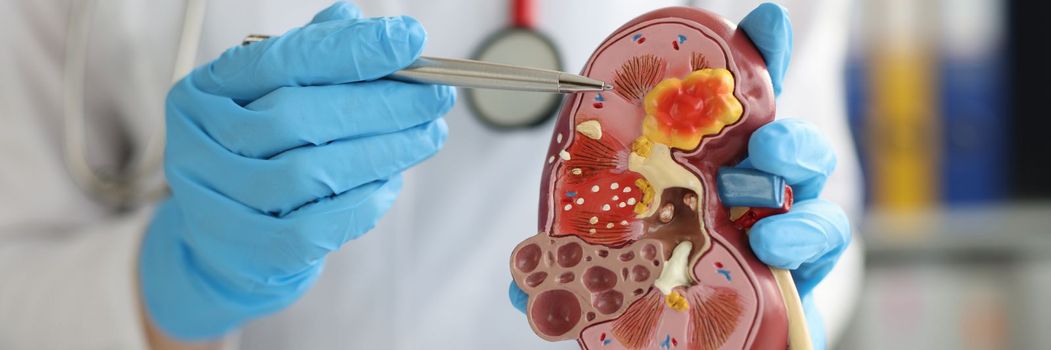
(72, 290)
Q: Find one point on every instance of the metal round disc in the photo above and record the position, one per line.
(503, 109)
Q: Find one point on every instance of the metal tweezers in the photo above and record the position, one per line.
(486, 75)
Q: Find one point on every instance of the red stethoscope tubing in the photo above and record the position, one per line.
(523, 14)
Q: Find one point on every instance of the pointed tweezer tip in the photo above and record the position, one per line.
(607, 86)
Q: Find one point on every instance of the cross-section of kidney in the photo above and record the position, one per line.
(635, 249)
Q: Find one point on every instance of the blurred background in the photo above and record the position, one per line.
(948, 107)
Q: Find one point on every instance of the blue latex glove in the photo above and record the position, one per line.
(810, 238)
(278, 153)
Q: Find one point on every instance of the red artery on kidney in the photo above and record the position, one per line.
(635, 249)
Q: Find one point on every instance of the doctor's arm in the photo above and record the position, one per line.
(278, 153)
(71, 287)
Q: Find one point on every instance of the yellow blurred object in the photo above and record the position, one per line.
(902, 131)
(902, 128)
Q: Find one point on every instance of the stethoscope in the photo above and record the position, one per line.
(518, 44)
(522, 45)
(125, 189)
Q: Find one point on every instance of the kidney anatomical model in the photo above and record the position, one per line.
(636, 250)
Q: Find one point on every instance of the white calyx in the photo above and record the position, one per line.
(590, 128)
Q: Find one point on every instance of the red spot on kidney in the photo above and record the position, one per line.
(639, 273)
(528, 258)
(608, 302)
(555, 312)
(599, 279)
(569, 255)
(536, 279)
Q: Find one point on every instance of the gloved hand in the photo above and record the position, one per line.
(809, 238)
(278, 153)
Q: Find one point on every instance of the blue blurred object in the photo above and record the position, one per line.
(741, 187)
(858, 102)
(971, 99)
(975, 142)
(278, 153)
(519, 298)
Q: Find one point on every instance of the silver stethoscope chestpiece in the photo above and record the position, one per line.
(520, 45)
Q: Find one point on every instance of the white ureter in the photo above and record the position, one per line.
(676, 271)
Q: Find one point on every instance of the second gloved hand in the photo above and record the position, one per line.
(278, 153)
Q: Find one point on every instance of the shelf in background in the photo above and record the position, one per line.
(1014, 230)
(962, 278)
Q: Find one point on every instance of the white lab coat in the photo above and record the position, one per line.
(433, 274)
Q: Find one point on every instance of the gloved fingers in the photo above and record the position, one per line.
(294, 117)
(235, 262)
(770, 30)
(340, 10)
(286, 181)
(309, 173)
(795, 150)
(333, 52)
(289, 180)
(177, 284)
(808, 240)
(359, 208)
(519, 298)
(279, 251)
